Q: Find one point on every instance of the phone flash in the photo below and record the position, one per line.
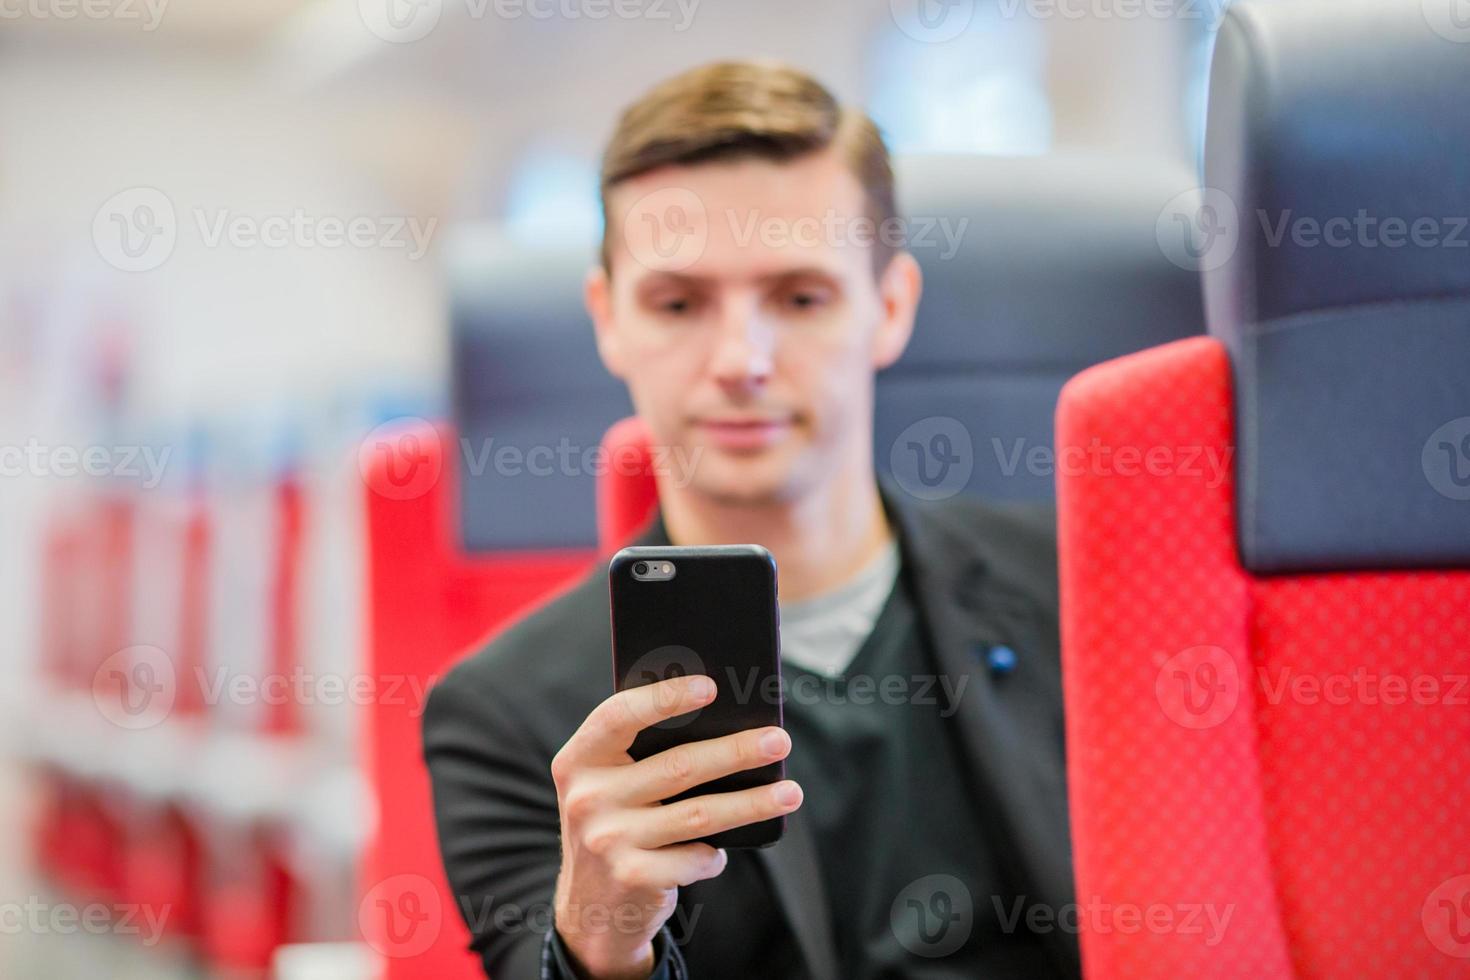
(653, 571)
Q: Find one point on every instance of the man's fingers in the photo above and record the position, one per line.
(700, 816)
(613, 724)
(682, 767)
(670, 867)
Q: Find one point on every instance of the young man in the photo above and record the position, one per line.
(750, 287)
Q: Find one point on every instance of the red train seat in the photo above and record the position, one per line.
(429, 603)
(1265, 547)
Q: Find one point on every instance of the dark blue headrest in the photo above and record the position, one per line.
(1034, 268)
(531, 399)
(1338, 151)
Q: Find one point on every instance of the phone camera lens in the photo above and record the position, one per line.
(641, 568)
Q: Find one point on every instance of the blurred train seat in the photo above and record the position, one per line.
(259, 761)
(197, 811)
(466, 531)
(112, 824)
(77, 826)
(164, 854)
(429, 600)
(1049, 265)
(1264, 667)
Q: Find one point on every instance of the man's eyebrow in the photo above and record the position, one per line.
(776, 276)
(804, 272)
(673, 279)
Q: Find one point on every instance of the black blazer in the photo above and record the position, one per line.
(983, 577)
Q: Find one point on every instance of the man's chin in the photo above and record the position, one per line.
(744, 480)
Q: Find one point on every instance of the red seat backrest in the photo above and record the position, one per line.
(626, 492)
(428, 604)
(1290, 751)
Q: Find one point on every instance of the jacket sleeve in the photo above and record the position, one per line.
(668, 962)
(499, 835)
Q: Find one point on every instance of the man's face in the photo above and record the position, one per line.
(745, 316)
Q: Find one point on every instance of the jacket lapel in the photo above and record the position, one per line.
(796, 878)
(1010, 718)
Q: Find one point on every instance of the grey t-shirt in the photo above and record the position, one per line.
(822, 634)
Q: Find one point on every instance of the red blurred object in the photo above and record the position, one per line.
(284, 714)
(115, 580)
(251, 901)
(428, 603)
(164, 865)
(1330, 833)
(93, 834)
(60, 657)
(626, 494)
(194, 607)
(98, 833)
(163, 855)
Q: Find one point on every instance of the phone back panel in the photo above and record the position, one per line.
(716, 616)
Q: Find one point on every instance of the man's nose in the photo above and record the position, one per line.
(745, 347)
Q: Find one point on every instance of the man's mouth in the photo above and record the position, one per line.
(745, 433)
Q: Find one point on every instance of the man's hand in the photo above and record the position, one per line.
(624, 855)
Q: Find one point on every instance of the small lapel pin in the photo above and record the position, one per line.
(1001, 660)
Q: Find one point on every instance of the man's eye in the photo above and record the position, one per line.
(679, 306)
(805, 300)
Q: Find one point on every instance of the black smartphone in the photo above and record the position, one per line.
(703, 610)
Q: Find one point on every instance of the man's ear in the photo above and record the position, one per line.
(597, 295)
(899, 288)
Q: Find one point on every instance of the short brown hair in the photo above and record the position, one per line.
(748, 109)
